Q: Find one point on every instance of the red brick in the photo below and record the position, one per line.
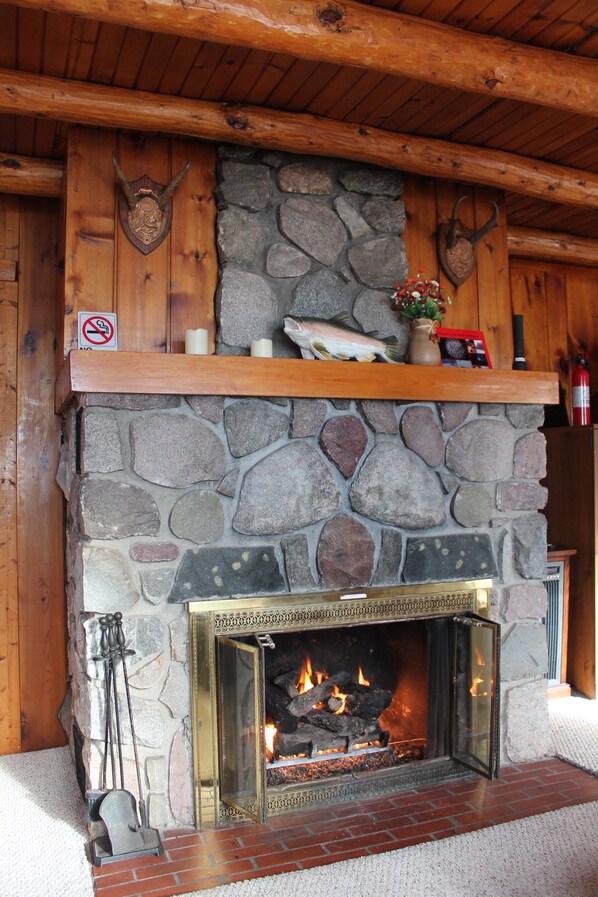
(263, 873)
(273, 860)
(133, 888)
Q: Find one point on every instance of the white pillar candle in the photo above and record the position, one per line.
(261, 348)
(196, 342)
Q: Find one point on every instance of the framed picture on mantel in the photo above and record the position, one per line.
(463, 348)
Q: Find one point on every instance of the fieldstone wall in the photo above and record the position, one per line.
(175, 499)
(305, 236)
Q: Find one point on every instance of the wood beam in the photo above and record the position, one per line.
(349, 33)
(34, 177)
(83, 103)
(542, 244)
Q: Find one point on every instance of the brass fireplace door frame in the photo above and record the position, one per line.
(226, 619)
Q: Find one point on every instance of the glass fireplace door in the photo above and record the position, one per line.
(241, 716)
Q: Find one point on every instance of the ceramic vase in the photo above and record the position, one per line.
(422, 348)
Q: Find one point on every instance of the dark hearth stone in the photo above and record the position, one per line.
(223, 572)
(440, 558)
(387, 571)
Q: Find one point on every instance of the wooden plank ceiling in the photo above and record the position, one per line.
(68, 47)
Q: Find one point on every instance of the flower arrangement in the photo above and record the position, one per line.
(420, 298)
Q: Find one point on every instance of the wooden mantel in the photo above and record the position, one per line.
(231, 375)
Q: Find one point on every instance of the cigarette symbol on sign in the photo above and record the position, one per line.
(98, 330)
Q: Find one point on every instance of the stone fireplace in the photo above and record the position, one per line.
(215, 500)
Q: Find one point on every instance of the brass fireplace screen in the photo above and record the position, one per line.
(430, 693)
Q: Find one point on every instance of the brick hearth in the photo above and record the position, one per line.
(195, 860)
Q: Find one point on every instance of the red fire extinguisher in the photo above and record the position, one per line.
(581, 392)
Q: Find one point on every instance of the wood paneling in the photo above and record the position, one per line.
(156, 296)
(32, 606)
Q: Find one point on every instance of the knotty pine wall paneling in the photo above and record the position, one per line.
(156, 296)
(32, 605)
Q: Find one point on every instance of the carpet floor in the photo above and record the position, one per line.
(550, 855)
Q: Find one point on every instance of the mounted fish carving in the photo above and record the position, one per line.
(337, 340)
(145, 208)
(456, 245)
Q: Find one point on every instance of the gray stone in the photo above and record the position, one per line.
(155, 770)
(176, 694)
(240, 238)
(210, 407)
(222, 572)
(284, 260)
(526, 724)
(307, 417)
(378, 262)
(396, 488)
(523, 653)
(529, 546)
(156, 585)
(153, 552)
(481, 451)
(525, 417)
(148, 673)
(244, 185)
(101, 451)
(526, 600)
(313, 227)
(251, 425)
(228, 484)
(449, 481)
(193, 452)
(512, 495)
(128, 401)
(373, 313)
(391, 546)
(236, 152)
(345, 553)
(386, 215)
(246, 307)
(529, 457)
(144, 635)
(180, 778)
(377, 181)
(106, 582)
(422, 435)
(295, 550)
(304, 177)
(291, 488)
(198, 516)
(341, 404)
(274, 159)
(348, 209)
(320, 295)
(473, 505)
(111, 510)
(491, 409)
(157, 809)
(380, 415)
(179, 638)
(344, 440)
(453, 414)
(440, 558)
(149, 724)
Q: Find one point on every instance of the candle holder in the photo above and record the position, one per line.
(196, 342)
(261, 348)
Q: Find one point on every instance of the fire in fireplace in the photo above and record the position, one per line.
(302, 699)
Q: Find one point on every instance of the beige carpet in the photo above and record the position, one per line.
(43, 840)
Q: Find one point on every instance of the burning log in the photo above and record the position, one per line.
(276, 705)
(302, 704)
(350, 726)
(288, 683)
(308, 739)
(367, 702)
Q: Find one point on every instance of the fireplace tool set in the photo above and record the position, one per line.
(128, 834)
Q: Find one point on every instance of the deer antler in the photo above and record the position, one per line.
(451, 236)
(168, 191)
(125, 186)
(477, 235)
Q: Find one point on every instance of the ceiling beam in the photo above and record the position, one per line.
(36, 177)
(350, 33)
(79, 102)
(528, 242)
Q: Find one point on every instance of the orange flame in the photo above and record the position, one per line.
(361, 678)
(269, 736)
(338, 694)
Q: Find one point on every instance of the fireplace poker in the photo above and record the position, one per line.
(94, 796)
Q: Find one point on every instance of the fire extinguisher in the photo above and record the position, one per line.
(581, 392)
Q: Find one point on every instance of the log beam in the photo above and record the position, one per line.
(83, 103)
(34, 177)
(552, 247)
(350, 33)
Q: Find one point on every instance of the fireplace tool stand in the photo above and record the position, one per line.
(128, 834)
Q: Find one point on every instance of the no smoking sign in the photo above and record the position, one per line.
(97, 330)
